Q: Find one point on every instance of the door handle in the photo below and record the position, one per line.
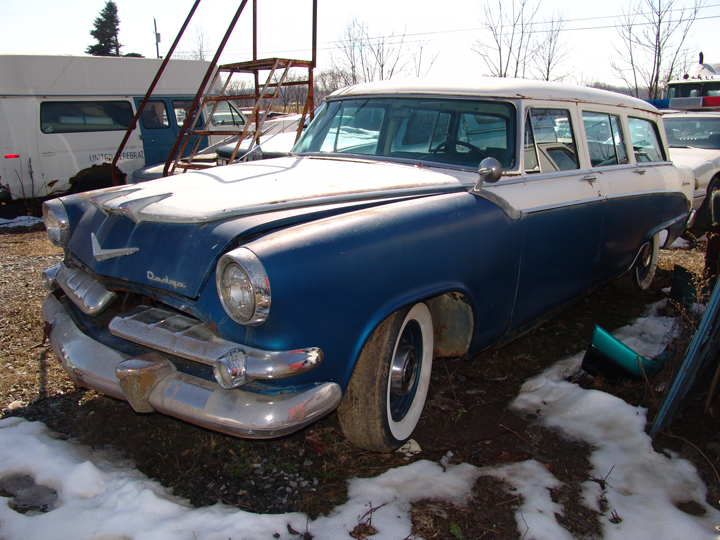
(590, 179)
(640, 171)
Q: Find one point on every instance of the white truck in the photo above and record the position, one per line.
(62, 119)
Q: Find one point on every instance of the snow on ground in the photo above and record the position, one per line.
(22, 221)
(103, 498)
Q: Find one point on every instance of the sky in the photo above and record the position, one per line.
(448, 33)
(100, 496)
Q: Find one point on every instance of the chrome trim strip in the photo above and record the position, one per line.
(85, 291)
(187, 337)
(235, 412)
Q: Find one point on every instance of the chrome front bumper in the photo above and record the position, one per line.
(150, 382)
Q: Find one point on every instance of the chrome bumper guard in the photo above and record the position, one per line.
(151, 383)
(87, 293)
(234, 364)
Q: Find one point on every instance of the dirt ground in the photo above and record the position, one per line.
(308, 471)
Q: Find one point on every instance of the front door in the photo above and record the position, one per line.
(561, 219)
(160, 124)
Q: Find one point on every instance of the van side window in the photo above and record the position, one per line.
(154, 115)
(181, 108)
(645, 140)
(605, 140)
(554, 140)
(83, 116)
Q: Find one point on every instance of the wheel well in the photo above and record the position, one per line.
(96, 171)
(453, 324)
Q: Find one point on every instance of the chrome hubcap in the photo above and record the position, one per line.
(404, 368)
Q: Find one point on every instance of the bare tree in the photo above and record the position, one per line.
(362, 57)
(511, 43)
(550, 51)
(653, 47)
(421, 69)
(201, 47)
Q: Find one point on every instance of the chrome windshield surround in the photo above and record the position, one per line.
(57, 222)
(254, 269)
(188, 338)
(87, 293)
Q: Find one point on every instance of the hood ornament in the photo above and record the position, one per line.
(101, 254)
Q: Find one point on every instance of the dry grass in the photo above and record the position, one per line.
(23, 355)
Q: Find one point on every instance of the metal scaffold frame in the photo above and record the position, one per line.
(264, 96)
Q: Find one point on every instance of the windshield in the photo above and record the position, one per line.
(441, 131)
(693, 131)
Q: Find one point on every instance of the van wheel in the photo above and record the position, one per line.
(387, 391)
(645, 267)
(92, 182)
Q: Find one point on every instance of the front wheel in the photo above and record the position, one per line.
(387, 391)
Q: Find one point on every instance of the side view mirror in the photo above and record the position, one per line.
(490, 171)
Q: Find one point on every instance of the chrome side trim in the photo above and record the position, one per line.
(236, 412)
(186, 337)
(85, 291)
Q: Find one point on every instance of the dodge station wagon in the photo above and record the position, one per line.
(412, 220)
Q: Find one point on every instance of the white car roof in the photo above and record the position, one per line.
(496, 87)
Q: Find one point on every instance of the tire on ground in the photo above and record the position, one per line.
(387, 391)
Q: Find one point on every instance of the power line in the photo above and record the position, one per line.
(401, 39)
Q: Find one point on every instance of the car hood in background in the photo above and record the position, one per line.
(694, 157)
(249, 188)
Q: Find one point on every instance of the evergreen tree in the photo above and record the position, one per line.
(107, 27)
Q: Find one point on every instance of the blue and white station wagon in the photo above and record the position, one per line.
(412, 220)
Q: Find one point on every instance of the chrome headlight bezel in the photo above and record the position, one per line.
(251, 266)
(57, 222)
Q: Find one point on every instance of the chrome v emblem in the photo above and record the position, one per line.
(101, 254)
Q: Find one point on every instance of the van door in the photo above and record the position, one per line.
(160, 124)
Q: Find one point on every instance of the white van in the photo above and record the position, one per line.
(62, 119)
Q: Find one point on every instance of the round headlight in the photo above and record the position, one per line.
(243, 287)
(57, 223)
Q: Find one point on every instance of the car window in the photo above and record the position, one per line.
(553, 140)
(154, 115)
(226, 115)
(449, 131)
(645, 140)
(83, 116)
(605, 140)
(684, 132)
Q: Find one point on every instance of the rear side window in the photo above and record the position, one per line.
(605, 139)
(549, 141)
(645, 140)
(84, 116)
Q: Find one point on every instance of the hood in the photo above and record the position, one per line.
(693, 156)
(168, 234)
(242, 189)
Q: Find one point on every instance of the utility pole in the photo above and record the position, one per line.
(157, 39)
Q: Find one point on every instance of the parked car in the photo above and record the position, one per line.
(413, 220)
(694, 140)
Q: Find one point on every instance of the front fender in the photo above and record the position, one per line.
(335, 279)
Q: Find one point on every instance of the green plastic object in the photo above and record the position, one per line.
(612, 359)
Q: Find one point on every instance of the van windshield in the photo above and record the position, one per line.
(453, 132)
